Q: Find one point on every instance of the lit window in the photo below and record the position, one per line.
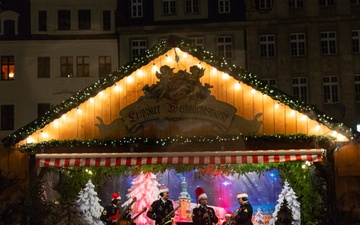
(7, 68)
(331, 89)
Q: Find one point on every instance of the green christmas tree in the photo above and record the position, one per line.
(284, 216)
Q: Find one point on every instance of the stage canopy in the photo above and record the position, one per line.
(203, 157)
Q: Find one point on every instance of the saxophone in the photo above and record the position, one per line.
(122, 214)
(166, 220)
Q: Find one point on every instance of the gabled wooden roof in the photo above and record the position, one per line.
(175, 47)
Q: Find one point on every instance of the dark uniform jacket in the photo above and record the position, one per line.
(198, 216)
(244, 214)
(228, 223)
(159, 210)
(110, 213)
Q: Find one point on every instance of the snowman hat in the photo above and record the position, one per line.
(163, 189)
(242, 195)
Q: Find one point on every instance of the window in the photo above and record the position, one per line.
(9, 27)
(296, 3)
(42, 108)
(7, 68)
(42, 21)
(224, 46)
(265, 4)
(136, 8)
(270, 81)
(7, 117)
(327, 2)
(299, 88)
(224, 6)
(198, 41)
(297, 44)
(331, 89)
(356, 41)
(357, 87)
(267, 46)
(138, 48)
(43, 67)
(104, 65)
(328, 43)
(169, 6)
(106, 20)
(83, 66)
(192, 6)
(64, 20)
(66, 66)
(84, 19)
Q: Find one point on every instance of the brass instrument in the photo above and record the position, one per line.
(165, 219)
(122, 214)
(129, 222)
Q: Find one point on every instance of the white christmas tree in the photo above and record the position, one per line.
(88, 207)
(146, 190)
(259, 218)
(288, 193)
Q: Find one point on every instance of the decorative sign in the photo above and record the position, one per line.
(179, 97)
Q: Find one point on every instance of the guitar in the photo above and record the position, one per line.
(129, 222)
(166, 220)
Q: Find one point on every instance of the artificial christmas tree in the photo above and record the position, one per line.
(284, 216)
(259, 218)
(88, 207)
(146, 190)
(293, 204)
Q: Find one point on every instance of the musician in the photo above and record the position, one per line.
(161, 208)
(243, 215)
(228, 219)
(203, 215)
(111, 212)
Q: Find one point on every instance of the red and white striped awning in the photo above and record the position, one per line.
(221, 157)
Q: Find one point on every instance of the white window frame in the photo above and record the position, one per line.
(224, 46)
(270, 81)
(139, 48)
(327, 2)
(331, 89)
(192, 6)
(265, 4)
(169, 7)
(357, 87)
(296, 3)
(297, 44)
(136, 8)
(328, 43)
(267, 46)
(224, 6)
(300, 84)
(355, 41)
(198, 41)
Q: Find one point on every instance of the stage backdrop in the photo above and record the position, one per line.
(263, 190)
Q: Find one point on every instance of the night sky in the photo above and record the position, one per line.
(263, 190)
